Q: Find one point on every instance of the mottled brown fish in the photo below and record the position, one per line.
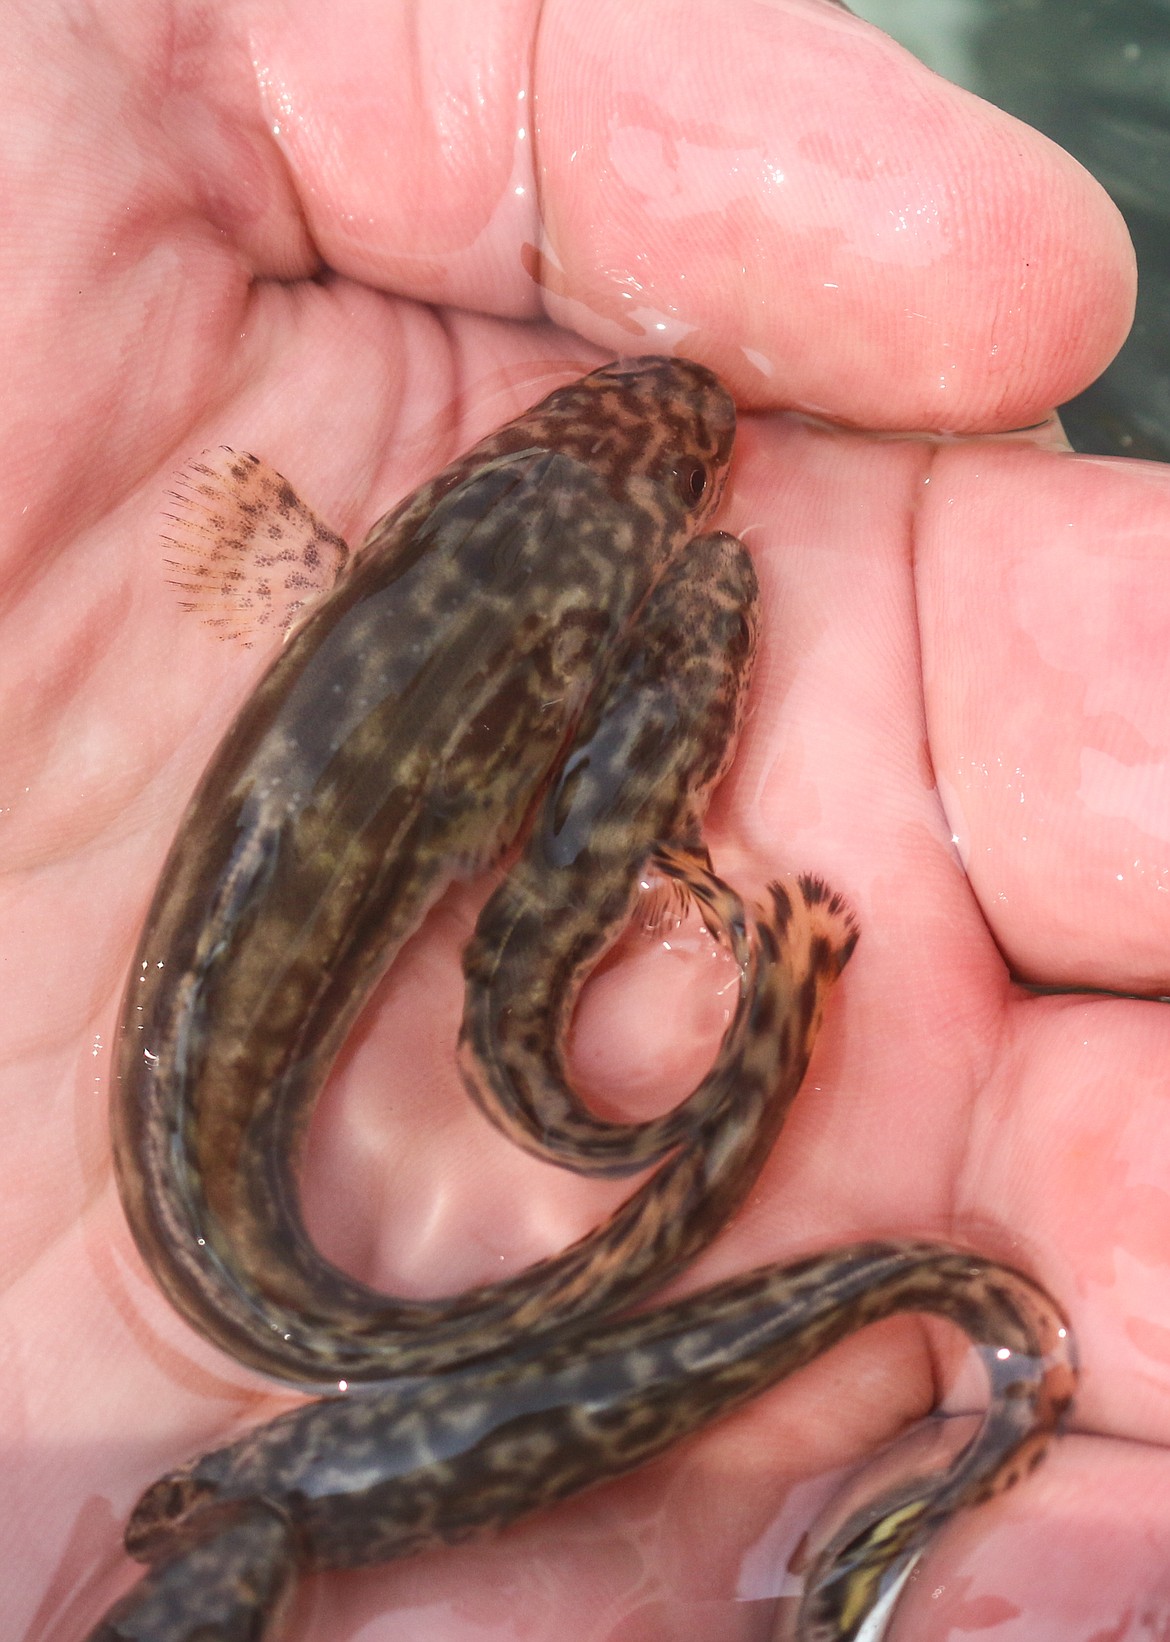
(656, 740)
(535, 615)
(401, 738)
(393, 1471)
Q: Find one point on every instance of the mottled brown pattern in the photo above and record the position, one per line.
(657, 737)
(399, 1470)
(404, 735)
(400, 738)
(541, 1417)
(234, 1585)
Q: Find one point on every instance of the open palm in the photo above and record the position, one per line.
(345, 240)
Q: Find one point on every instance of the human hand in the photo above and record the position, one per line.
(799, 205)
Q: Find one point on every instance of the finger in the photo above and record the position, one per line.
(139, 202)
(1044, 590)
(833, 777)
(1074, 1554)
(774, 186)
(1065, 1164)
(944, 1099)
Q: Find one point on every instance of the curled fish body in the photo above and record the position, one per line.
(540, 628)
(657, 738)
(395, 1471)
(399, 739)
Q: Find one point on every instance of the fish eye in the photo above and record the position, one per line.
(693, 479)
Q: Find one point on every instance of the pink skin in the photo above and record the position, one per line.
(960, 720)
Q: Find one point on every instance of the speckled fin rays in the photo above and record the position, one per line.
(246, 554)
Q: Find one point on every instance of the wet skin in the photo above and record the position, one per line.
(431, 1452)
(890, 623)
